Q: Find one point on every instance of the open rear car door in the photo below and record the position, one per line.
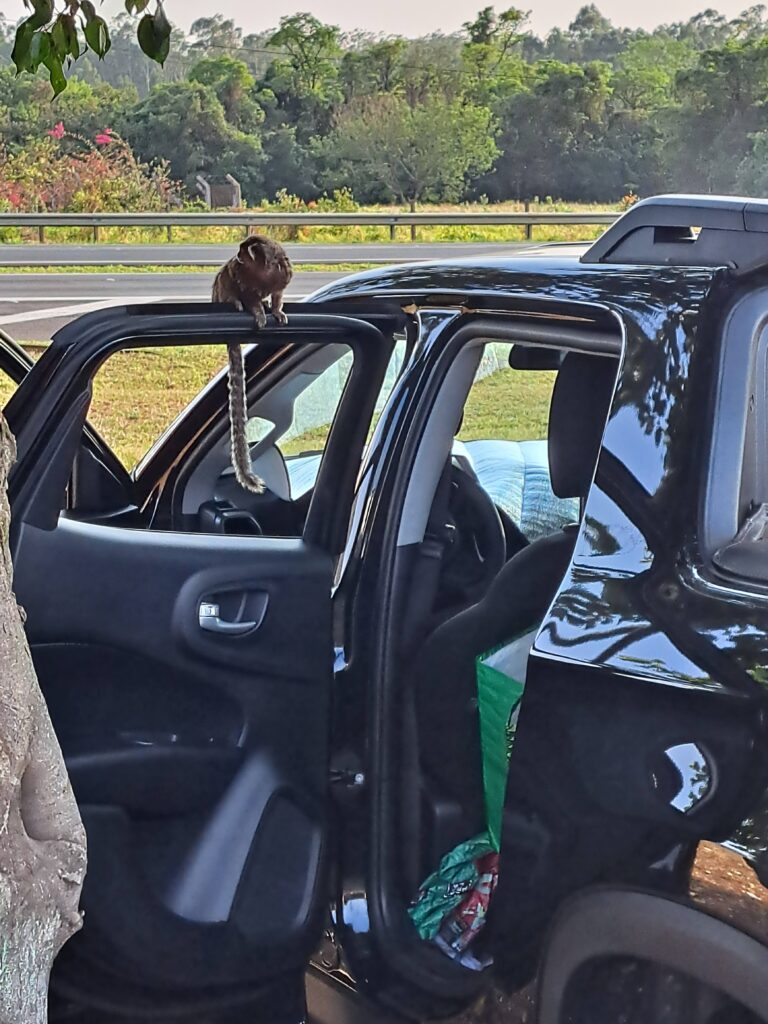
(189, 678)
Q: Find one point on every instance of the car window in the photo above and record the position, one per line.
(314, 410)
(506, 404)
(503, 435)
(139, 392)
(302, 443)
(9, 382)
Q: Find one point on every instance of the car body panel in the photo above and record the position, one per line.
(680, 662)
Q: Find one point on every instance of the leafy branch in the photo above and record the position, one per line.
(54, 37)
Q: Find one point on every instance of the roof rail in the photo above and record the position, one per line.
(688, 231)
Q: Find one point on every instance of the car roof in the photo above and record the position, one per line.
(527, 278)
(680, 237)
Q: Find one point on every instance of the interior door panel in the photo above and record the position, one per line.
(189, 678)
(244, 815)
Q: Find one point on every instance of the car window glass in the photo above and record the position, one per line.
(139, 392)
(314, 410)
(316, 406)
(302, 443)
(503, 435)
(507, 404)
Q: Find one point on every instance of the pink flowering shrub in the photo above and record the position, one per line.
(99, 175)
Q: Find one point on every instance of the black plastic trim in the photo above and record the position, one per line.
(660, 231)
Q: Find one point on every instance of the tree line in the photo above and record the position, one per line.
(588, 113)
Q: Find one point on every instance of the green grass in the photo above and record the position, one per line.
(509, 405)
(139, 392)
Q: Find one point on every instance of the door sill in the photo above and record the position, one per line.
(330, 1002)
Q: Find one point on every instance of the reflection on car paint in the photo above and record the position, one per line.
(694, 768)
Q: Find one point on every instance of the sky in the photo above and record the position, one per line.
(404, 17)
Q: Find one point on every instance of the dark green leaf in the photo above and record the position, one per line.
(43, 12)
(97, 36)
(154, 35)
(21, 47)
(88, 10)
(70, 29)
(136, 6)
(59, 38)
(39, 49)
(55, 72)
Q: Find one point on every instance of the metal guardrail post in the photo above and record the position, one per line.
(529, 225)
(41, 234)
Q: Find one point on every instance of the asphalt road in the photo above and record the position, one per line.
(212, 255)
(35, 306)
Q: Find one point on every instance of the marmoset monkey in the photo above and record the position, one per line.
(260, 270)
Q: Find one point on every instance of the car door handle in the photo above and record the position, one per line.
(211, 621)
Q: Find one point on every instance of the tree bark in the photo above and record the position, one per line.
(42, 841)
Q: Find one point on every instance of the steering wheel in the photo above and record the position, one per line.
(478, 548)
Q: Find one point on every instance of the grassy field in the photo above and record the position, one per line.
(139, 392)
(348, 235)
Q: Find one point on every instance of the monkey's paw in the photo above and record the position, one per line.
(260, 317)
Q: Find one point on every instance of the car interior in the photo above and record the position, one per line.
(514, 601)
(440, 796)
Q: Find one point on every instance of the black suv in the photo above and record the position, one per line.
(268, 703)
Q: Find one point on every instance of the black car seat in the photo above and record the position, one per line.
(442, 676)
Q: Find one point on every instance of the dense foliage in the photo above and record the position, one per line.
(589, 113)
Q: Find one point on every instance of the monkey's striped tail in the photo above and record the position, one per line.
(238, 419)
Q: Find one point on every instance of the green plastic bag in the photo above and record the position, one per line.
(500, 685)
(446, 888)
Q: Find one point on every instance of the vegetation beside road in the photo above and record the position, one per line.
(342, 235)
(310, 117)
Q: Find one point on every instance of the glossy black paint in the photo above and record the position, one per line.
(644, 653)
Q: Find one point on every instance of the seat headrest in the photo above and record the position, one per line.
(579, 409)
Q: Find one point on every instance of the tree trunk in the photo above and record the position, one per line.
(42, 841)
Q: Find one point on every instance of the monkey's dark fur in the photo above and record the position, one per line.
(260, 270)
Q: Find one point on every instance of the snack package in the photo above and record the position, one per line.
(464, 923)
(447, 887)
